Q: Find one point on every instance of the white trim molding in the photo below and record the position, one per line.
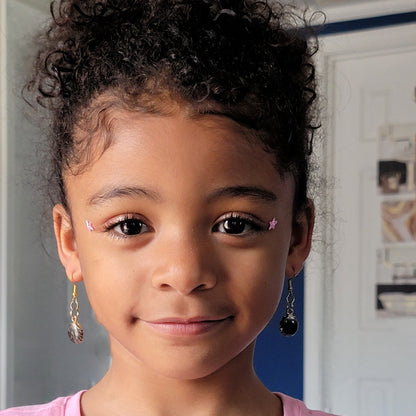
(341, 11)
(3, 205)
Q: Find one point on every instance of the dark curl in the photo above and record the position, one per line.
(243, 59)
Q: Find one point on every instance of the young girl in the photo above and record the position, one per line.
(180, 135)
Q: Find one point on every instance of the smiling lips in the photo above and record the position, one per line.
(186, 327)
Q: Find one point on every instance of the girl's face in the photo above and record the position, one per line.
(178, 260)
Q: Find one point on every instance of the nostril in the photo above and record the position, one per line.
(183, 285)
(165, 286)
(133, 320)
(184, 273)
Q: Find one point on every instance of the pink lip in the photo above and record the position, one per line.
(186, 327)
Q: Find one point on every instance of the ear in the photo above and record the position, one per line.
(300, 244)
(65, 239)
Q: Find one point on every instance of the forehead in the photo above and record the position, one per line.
(109, 117)
(176, 153)
(196, 139)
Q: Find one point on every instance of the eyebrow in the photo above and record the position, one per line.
(252, 192)
(125, 191)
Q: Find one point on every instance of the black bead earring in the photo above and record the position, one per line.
(289, 323)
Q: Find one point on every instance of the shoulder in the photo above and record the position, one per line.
(62, 406)
(294, 407)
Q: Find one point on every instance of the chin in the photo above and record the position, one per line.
(199, 366)
(189, 370)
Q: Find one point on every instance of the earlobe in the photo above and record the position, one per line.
(65, 240)
(301, 240)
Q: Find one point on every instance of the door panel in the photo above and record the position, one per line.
(368, 365)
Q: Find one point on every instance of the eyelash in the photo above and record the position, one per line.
(125, 220)
(256, 226)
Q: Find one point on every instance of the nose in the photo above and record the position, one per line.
(185, 266)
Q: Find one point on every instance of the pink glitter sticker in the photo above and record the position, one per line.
(89, 225)
(272, 224)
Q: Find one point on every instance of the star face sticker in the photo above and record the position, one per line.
(89, 225)
(272, 224)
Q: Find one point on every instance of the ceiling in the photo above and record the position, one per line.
(335, 10)
(328, 3)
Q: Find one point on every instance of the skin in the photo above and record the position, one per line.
(182, 300)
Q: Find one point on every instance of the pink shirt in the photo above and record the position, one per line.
(71, 406)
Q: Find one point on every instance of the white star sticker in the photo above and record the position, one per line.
(89, 225)
(272, 224)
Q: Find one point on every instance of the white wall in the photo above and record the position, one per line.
(38, 361)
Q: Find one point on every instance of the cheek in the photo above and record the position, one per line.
(257, 280)
(266, 286)
(109, 279)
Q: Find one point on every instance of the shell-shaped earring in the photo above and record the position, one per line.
(75, 331)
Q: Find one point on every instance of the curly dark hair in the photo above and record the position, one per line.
(244, 59)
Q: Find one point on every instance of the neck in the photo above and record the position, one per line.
(131, 388)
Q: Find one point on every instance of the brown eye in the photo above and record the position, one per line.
(129, 227)
(236, 225)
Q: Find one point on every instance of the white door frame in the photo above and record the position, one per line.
(3, 205)
(320, 266)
